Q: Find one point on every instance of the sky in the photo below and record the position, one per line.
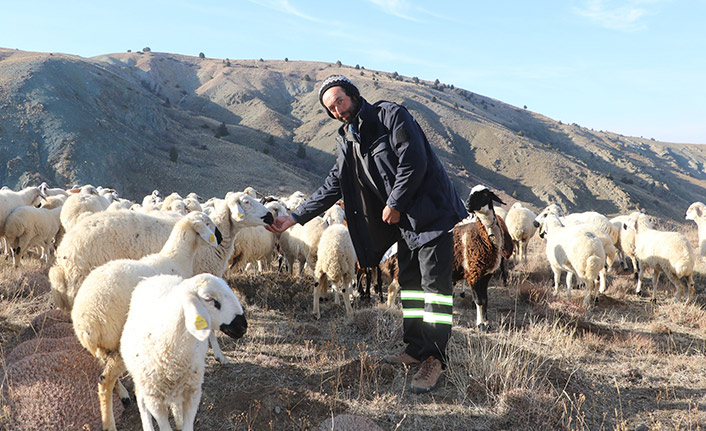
(634, 67)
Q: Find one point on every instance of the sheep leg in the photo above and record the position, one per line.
(569, 283)
(159, 411)
(345, 290)
(123, 394)
(191, 406)
(678, 285)
(114, 367)
(319, 289)
(655, 282)
(213, 341)
(145, 415)
(690, 286)
(602, 276)
(392, 291)
(557, 277)
(588, 296)
(641, 269)
(480, 297)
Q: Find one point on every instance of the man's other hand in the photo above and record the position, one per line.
(390, 215)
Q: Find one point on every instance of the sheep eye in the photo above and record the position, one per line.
(217, 304)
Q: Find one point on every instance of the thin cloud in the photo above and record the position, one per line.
(616, 15)
(398, 8)
(286, 7)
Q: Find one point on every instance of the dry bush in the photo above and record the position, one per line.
(686, 314)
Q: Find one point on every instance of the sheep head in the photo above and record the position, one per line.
(481, 197)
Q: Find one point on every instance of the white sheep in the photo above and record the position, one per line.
(81, 203)
(294, 200)
(574, 249)
(626, 241)
(164, 348)
(166, 203)
(335, 264)
(102, 302)
(520, 224)
(667, 252)
(253, 245)
(9, 200)
(106, 236)
(697, 213)
(300, 243)
(334, 215)
(27, 227)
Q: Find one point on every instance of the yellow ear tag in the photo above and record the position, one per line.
(240, 215)
(200, 322)
(211, 239)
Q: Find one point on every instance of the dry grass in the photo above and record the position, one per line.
(548, 364)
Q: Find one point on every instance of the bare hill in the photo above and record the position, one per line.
(145, 120)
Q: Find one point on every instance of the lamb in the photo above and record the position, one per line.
(300, 242)
(102, 302)
(668, 252)
(103, 237)
(336, 263)
(478, 248)
(626, 239)
(574, 249)
(9, 200)
(520, 225)
(697, 213)
(28, 227)
(164, 350)
(253, 245)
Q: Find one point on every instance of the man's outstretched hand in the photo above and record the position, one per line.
(281, 224)
(390, 215)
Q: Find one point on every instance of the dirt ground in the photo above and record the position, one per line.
(627, 363)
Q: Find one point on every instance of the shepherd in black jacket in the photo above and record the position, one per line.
(395, 190)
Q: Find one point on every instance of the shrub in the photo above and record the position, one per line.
(301, 152)
(286, 59)
(270, 140)
(173, 154)
(202, 55)
(339, 64)
(357, 66)
(222, 131)
(307, 77)
(146, 49)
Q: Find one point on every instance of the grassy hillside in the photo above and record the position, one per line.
(144, 120)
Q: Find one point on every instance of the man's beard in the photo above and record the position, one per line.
(352, 113)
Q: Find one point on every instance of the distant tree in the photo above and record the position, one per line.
(286, 59)
(222, 131)
(129, 50)
(301, 152)
(525, 106)
(455, 105)
(227, 63)
(362, 73)
(339, 64)
(266, 150)
(173, 154)
(437, 82)
(307, 77)
(261, 60)
(415, 80)
(433, 99)
(146, 49)
(395, 75)
(202, 55)
(270, 140)
(357, 67)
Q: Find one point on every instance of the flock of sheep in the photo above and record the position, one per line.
(112, 260)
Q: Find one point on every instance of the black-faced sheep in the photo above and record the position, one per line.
(478, 248)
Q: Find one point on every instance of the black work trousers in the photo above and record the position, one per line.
(426, 291)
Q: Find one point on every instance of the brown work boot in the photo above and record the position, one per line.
(403, 358)
(427, 377)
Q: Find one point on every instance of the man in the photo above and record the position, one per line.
(395, 190)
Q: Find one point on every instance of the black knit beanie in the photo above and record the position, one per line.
(337, 81)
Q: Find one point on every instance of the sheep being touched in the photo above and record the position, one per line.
(164, 349)
(102, 302)
(478, 249)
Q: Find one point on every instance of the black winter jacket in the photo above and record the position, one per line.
(407, 175)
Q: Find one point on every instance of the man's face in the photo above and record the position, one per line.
(341, 106)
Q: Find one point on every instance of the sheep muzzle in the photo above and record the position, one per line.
(236, 328)
(268, 219)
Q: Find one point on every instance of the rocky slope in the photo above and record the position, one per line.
(144, 120)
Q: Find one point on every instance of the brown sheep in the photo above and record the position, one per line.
(479, 248)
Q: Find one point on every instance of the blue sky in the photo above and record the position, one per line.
(636, 67)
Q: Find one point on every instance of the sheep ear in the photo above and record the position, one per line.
(208, 235)
(496, 198)
(238, 212)
(196, 317)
